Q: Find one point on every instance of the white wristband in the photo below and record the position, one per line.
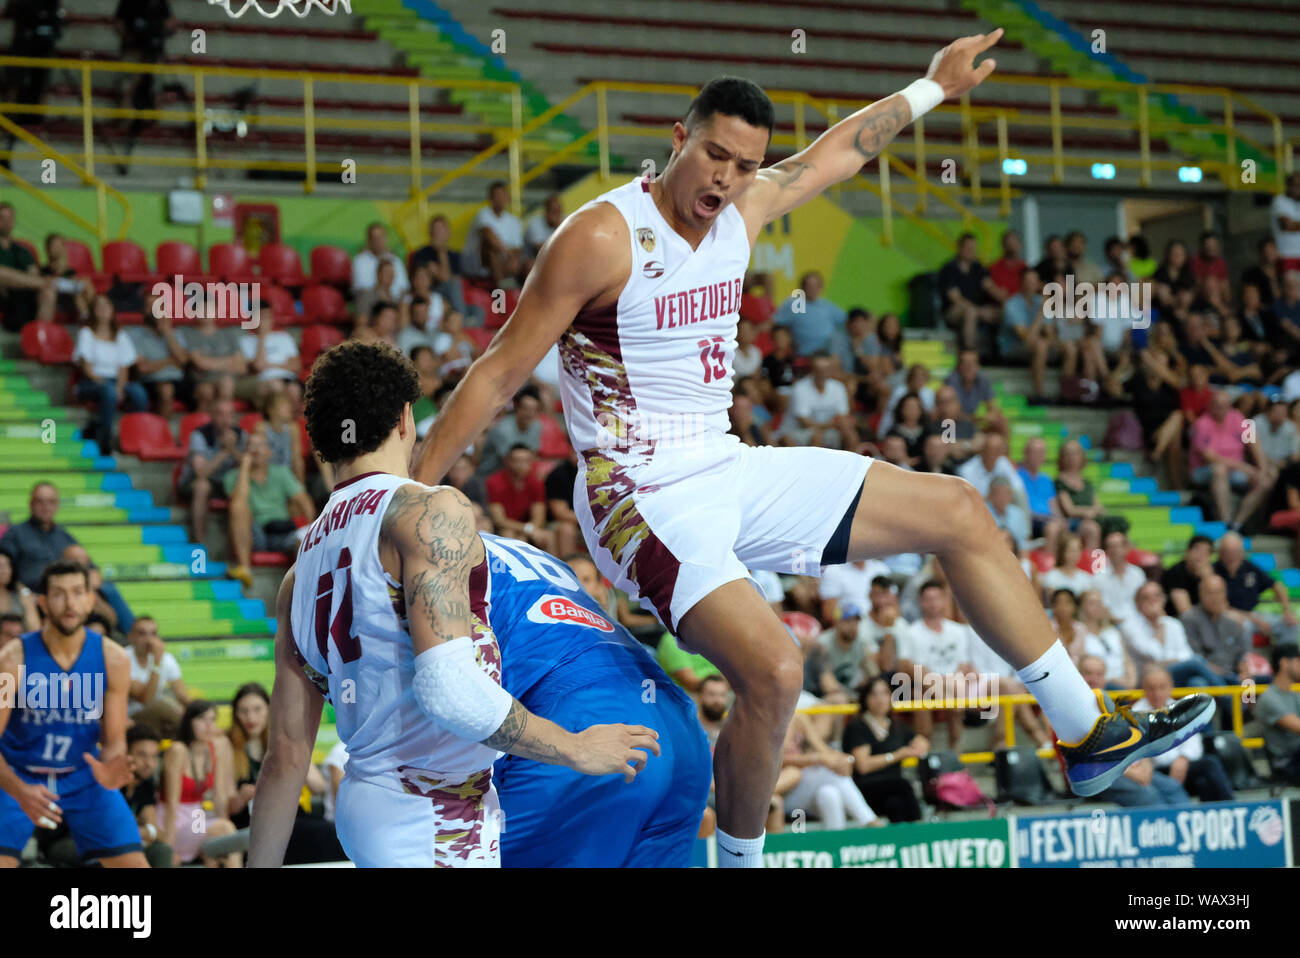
(922, 96)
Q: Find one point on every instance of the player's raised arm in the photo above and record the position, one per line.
(294, 720)
(841, 151)
(590, 254)
(434, 534)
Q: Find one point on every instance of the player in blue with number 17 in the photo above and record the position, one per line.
(565, 660)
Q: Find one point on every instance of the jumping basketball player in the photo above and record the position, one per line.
(63, 697)
(641, 287)
(564, 659)
(383, 613)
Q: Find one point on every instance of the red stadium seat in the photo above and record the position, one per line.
(190, 422)
(148, 436)
(323, 304)
(230, 263)
(804, 626)
(80, 257)
(281, 264)
(47, 342)
(1288, 520)
(274, 560)
(126, 261)
(282, 308)
(315, 340)
(177, 258)
(331, 265)
(249, 421)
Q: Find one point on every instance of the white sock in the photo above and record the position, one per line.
(739, 852)
(1067, 701)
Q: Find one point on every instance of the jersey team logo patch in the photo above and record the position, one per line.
(556, 608)
(646, 237)
(653, 269)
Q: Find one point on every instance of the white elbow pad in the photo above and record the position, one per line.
(458, 695)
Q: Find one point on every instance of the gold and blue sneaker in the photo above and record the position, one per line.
(1121, 737)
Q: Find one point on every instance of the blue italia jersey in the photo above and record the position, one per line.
(545, 622)
(56, 713)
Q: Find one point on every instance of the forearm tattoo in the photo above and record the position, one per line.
(879, 127)
(511, 737)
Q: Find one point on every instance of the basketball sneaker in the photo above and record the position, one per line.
(1121, 736)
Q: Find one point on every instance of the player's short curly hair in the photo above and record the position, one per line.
(355, 397)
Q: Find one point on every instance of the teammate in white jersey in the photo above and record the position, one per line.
(382, 614)
(641, 289)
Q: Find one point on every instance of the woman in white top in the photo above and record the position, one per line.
(1103, 640)
(104, 356)
(1067, 574)
(749, 358)
(1065, 607)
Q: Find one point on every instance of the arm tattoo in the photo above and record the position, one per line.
(510, 738)
(787, 172)
(438, 531)
(878, 129)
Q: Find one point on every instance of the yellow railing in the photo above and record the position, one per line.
(988, 133)
(1005, 708)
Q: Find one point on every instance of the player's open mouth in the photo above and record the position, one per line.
(707, 205)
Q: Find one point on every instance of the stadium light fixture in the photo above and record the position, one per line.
(1189, 174)
(1013, 167)
(1103, 171)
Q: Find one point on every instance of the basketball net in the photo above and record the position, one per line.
(299, 8)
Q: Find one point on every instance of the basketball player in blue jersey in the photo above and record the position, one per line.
(640, 289)
(566, 661)
(63, 697)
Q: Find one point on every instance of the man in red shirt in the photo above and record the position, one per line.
(1211, 272)
(1007, 270)
(517, 499)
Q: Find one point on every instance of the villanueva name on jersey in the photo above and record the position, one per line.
(699, 304)
(45, 698)
(365, 502)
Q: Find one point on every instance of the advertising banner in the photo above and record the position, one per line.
(983, 843)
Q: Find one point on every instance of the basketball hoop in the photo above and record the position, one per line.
(299, 8)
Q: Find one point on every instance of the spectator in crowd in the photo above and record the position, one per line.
(522, 427)
(333, 768)
(23, 290)
(160, 358)
(1142, 786)
(1104, 642)
(778, 365)
(756, 303)
(1118, 579)
(1006, 514)
(859, 350)
(443, 264)
(848, 583)
(1055, 263)
(911, 426)
(893, 449)
(749, 358)
(284, 435)
(1235, 361)
(1153, 391)
(879, 744)
(1284, 217)
(1076, 497)
(461, 349)
(73, 293)
(848, 656)
(264, 498)
(273, 361)
(1247, 583)
(1278, 710)
(1040, 488)
(745, 421)
(196, 770)
(35, 543)
(714, 696)
(104, 356)
(970, 296)
(420, 312)
(1173, 276)
(960, 434)
(825, 788)
(1156, 638)
(313, 839)
(936, 455)
(819, 408)
(15, 597)
(1210, 271)
(365, 265)
(1140, 262)
(816, 323)
(917, 381)
(562, 520)
(493, 248)
(990, 461)
(462, 476)
(1080, 267)
(11, 626)
(1286, 310)
(215, 358)
(1064, 606)
(939, 646)
(543, 223)
(214, 450)
(974, 390)
(1277, 436)
(1216, 635)
(1182, 580)
(158, 695)
(1116, 259)
(384, 290)
(1008, 270)
(1027, 334)
(379, 325)
(685, 668)
(1218, 460)
(1093, 670)
(1266, 274)
(883, 628)
(517, 499)
(141, 793)
(1187, 764)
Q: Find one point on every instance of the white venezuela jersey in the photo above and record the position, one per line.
(350, 630)
(654, 369)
